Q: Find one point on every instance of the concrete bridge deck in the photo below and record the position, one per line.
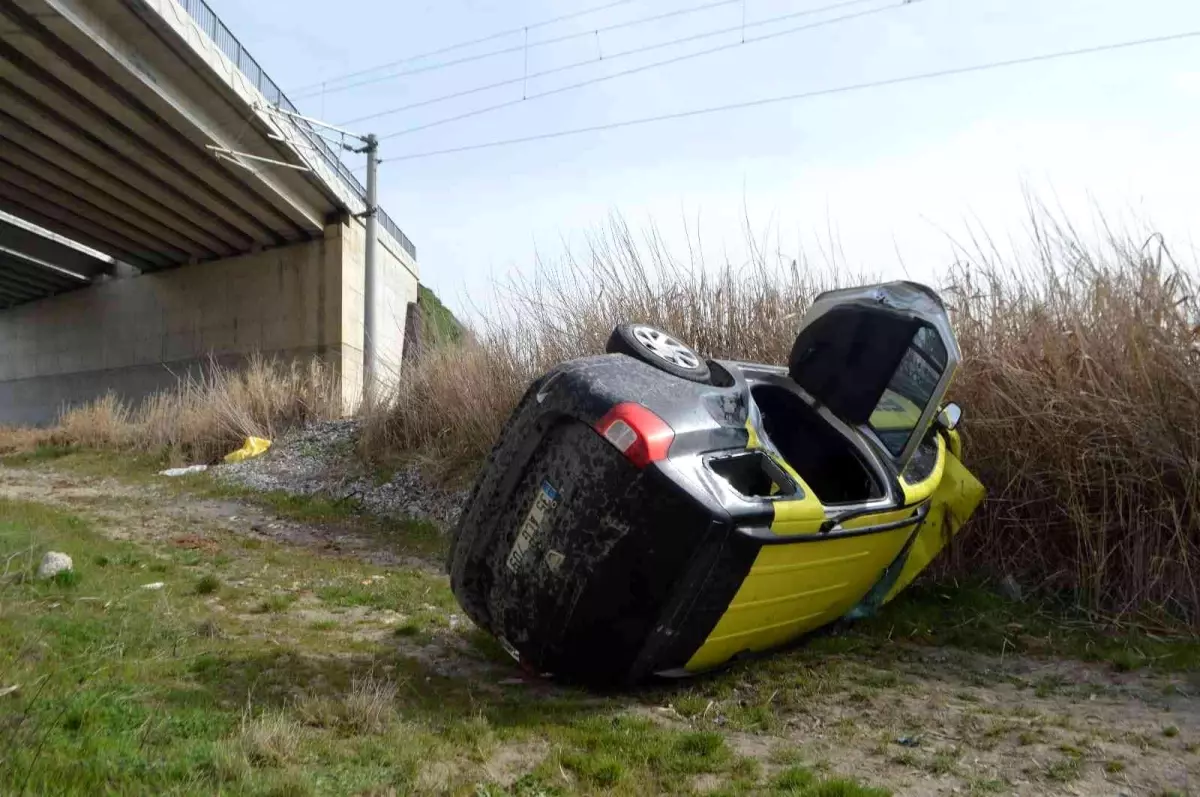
(128, 126)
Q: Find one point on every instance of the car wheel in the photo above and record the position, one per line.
(660, 349)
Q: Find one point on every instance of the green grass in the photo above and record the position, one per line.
(973, 617)
(438, 321)
(41, 454)
(90, 463)
(1065, 769)
(802, 782)
(187, 690)
(207, 584)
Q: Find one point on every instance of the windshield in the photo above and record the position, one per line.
(912, 386)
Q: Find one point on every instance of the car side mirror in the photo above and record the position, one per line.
(949, 417)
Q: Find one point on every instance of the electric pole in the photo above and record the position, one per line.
(369, 316)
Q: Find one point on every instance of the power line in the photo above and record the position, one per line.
(623, 54)
(645, 67)
(464, 44)
(518, 48)
(807, 94)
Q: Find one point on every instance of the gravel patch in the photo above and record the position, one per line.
(320, 460)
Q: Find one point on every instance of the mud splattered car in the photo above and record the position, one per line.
(649, 512)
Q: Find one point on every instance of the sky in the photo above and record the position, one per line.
(891, 173)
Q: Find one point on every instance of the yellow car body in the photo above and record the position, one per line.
(794, 589)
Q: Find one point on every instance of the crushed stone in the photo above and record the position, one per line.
(320, 460)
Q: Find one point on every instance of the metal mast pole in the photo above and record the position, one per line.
(369, 318)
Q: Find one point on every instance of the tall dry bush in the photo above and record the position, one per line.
(1080, 383)
(206, 416)
(203, 417)
(1081, 377)
(453, 399)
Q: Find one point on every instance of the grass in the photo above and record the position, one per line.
(207, 584)
(972, 616)
(187, 690)
(1064, 770)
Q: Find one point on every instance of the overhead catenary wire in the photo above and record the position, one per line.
(804, 95)
(299, 90)
(323, 89)
(643, 68)
(630, 52)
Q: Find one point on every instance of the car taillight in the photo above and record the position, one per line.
(636, 432)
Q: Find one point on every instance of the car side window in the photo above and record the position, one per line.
(912, 386)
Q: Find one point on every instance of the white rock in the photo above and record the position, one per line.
(54, 563)
(183, 471)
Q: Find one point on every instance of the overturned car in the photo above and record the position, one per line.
(646, 512)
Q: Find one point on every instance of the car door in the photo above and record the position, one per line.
(898, 355)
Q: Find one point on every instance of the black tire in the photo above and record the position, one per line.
(670, 355)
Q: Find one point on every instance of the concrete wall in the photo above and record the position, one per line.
(135, 336)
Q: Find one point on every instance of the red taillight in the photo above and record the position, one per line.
(638, 433)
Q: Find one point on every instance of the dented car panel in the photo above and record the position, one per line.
(630, 522)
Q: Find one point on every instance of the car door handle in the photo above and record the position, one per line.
(767, 537)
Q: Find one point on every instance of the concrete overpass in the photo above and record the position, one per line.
(143, 130)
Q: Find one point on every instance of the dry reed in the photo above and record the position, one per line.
(1080, 384)
(200, 419)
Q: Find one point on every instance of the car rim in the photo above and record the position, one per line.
(666, 348)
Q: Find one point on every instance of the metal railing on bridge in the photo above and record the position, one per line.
(233, 49)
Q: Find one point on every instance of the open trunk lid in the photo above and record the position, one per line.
(880, 358)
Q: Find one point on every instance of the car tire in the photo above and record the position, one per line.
(660, 349)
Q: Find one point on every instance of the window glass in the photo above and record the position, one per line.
(910, 390)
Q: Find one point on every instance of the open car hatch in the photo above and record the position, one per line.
(879, 358)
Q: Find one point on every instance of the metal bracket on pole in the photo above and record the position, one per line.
(275, 109)
(233, 156)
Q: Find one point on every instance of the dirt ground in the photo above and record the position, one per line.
(916, 720)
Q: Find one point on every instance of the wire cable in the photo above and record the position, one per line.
(964, 70)
(463, 44)
(518, 48)
(624, 54)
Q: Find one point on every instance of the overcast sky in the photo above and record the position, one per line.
(890, 169)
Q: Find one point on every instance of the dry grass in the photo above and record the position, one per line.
(202, 418)
(1080, 382)
(452, 401)
(368, 707)
(271, 738)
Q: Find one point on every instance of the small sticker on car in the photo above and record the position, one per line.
(544, 501)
